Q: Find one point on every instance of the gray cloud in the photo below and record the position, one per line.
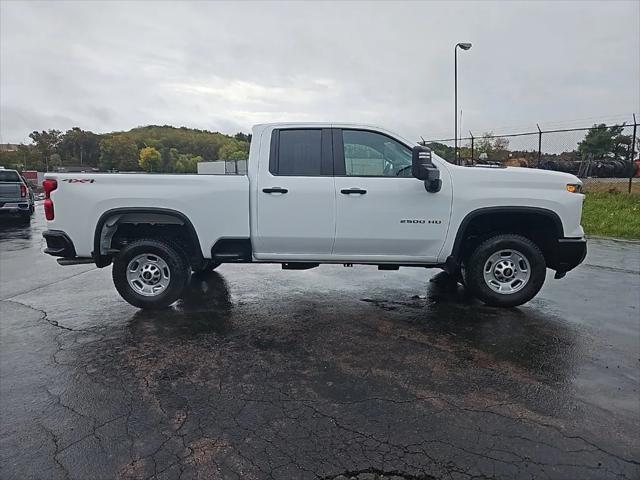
(224, 66)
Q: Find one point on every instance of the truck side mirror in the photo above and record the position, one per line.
(423, 169)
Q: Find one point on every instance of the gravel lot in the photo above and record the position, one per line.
(259, 373)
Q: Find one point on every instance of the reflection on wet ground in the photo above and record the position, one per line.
(260, 373)
(13, 230)
(204, 308)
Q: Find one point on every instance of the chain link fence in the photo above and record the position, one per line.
(605, 157)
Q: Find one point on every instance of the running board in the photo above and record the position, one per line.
(75, 261)
(230, 257)
(299, 266)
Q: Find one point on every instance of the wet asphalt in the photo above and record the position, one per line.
(260, 373)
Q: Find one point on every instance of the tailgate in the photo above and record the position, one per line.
(10, 191)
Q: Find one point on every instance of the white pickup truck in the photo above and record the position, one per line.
(322, 193)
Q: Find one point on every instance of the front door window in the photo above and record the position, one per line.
(370, 154)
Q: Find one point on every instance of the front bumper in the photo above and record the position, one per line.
(59, 244)
(570, 252)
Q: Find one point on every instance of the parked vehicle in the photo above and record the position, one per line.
(16, 197)
(316, 194)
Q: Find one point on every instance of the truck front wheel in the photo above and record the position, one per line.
(150, 273)
(505, 270)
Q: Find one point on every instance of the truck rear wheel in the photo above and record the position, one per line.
(150, 273)
(505, 270)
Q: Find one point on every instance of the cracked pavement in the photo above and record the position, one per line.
(335, 372)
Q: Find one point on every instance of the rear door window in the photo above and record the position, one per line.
(301, 153)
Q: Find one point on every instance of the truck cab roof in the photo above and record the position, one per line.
(359, 126)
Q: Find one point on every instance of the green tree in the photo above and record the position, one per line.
(238, 155)
(243, 137)
(55, 160)
(46, 143)
(170, 158)
(442, 150)
(187, 163)
(118, 152)
(150, 159)
(602, 141)
(12, 159)
(233, 150)
(26, 155)
(496, 148)
(79, 146)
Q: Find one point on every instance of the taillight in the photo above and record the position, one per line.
(49, 186)
(48, 209)
(23, 190)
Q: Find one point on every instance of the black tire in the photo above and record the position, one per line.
(206, 267)
(474, 274)
(25, 218)
(176, 264)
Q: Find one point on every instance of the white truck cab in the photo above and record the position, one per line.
(322, 193)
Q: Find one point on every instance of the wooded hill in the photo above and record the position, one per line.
(152, 148)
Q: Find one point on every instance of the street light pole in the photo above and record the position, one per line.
(463, 46)
(455, 108)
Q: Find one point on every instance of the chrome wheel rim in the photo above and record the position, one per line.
(507, 271)
(148, 275)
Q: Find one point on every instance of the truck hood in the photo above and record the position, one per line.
(527, 177)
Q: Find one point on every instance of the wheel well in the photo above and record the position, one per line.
(115, 229)
(540, 227)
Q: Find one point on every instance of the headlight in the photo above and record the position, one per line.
(574, 187)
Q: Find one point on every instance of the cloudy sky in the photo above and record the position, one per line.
(225, 66)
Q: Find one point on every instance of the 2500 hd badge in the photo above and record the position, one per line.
(434, 222)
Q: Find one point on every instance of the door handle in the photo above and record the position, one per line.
(275, 190)
(351, 191)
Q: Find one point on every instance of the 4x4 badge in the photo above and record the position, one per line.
(79, 180)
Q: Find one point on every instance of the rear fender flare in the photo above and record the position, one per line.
(102, 259)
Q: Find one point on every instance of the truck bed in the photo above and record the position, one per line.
(217, 206)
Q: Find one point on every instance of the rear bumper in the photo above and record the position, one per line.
(10, 207)
(58, 244)
(570, 252)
